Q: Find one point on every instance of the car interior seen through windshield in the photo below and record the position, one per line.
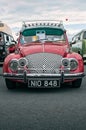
(38, 35)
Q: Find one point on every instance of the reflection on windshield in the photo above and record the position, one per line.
(52, 38)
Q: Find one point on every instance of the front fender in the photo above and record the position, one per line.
(8, 59)
(79, 58)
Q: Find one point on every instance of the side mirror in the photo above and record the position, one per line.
(72, 42)
(12, 46)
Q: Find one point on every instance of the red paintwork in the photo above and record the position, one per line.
(48, 47)
(7, 60)
(11, 49)
(80, 61)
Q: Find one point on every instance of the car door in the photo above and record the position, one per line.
(77, 46)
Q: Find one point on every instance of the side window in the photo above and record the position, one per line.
(84, 35)
(78, 37)
(11, 39)
(73, 39)
(7, 40)
(1, 37)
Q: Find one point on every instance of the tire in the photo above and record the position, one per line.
(10, 84)
(77, 83)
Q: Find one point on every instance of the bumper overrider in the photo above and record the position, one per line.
(61, 76)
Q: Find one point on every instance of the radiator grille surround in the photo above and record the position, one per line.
(44, 63)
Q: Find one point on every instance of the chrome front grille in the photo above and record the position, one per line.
(44, 63)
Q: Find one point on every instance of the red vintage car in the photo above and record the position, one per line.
(43, 58)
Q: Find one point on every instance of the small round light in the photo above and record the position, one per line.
(65, 62)
(23, 62)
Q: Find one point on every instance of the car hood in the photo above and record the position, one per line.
(44, 48)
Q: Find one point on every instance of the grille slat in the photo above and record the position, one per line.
(44, 62)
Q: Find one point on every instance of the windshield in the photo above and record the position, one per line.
(38, 35)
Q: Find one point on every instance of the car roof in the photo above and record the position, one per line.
(42, 23)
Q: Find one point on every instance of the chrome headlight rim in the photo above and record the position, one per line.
(69, 63)
(73, 64)
(22, 62)
(65, 62)
(13, 65)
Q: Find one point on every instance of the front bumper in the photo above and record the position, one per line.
(61, 76)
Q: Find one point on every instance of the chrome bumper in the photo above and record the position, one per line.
(61, 76)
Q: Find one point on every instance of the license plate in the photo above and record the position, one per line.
(43, 83)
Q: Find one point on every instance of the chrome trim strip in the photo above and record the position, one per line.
(62, 76)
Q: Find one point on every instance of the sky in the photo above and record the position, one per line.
(71, 12)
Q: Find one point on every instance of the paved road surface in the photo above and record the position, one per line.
(42, 109)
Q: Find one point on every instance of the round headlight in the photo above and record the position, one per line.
(23, 62)
(73, 64)
(14, 65)
(65, 62)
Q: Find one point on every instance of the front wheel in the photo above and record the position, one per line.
(77, 83)
(10, 84)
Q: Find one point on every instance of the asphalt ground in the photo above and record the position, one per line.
(42, 109)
